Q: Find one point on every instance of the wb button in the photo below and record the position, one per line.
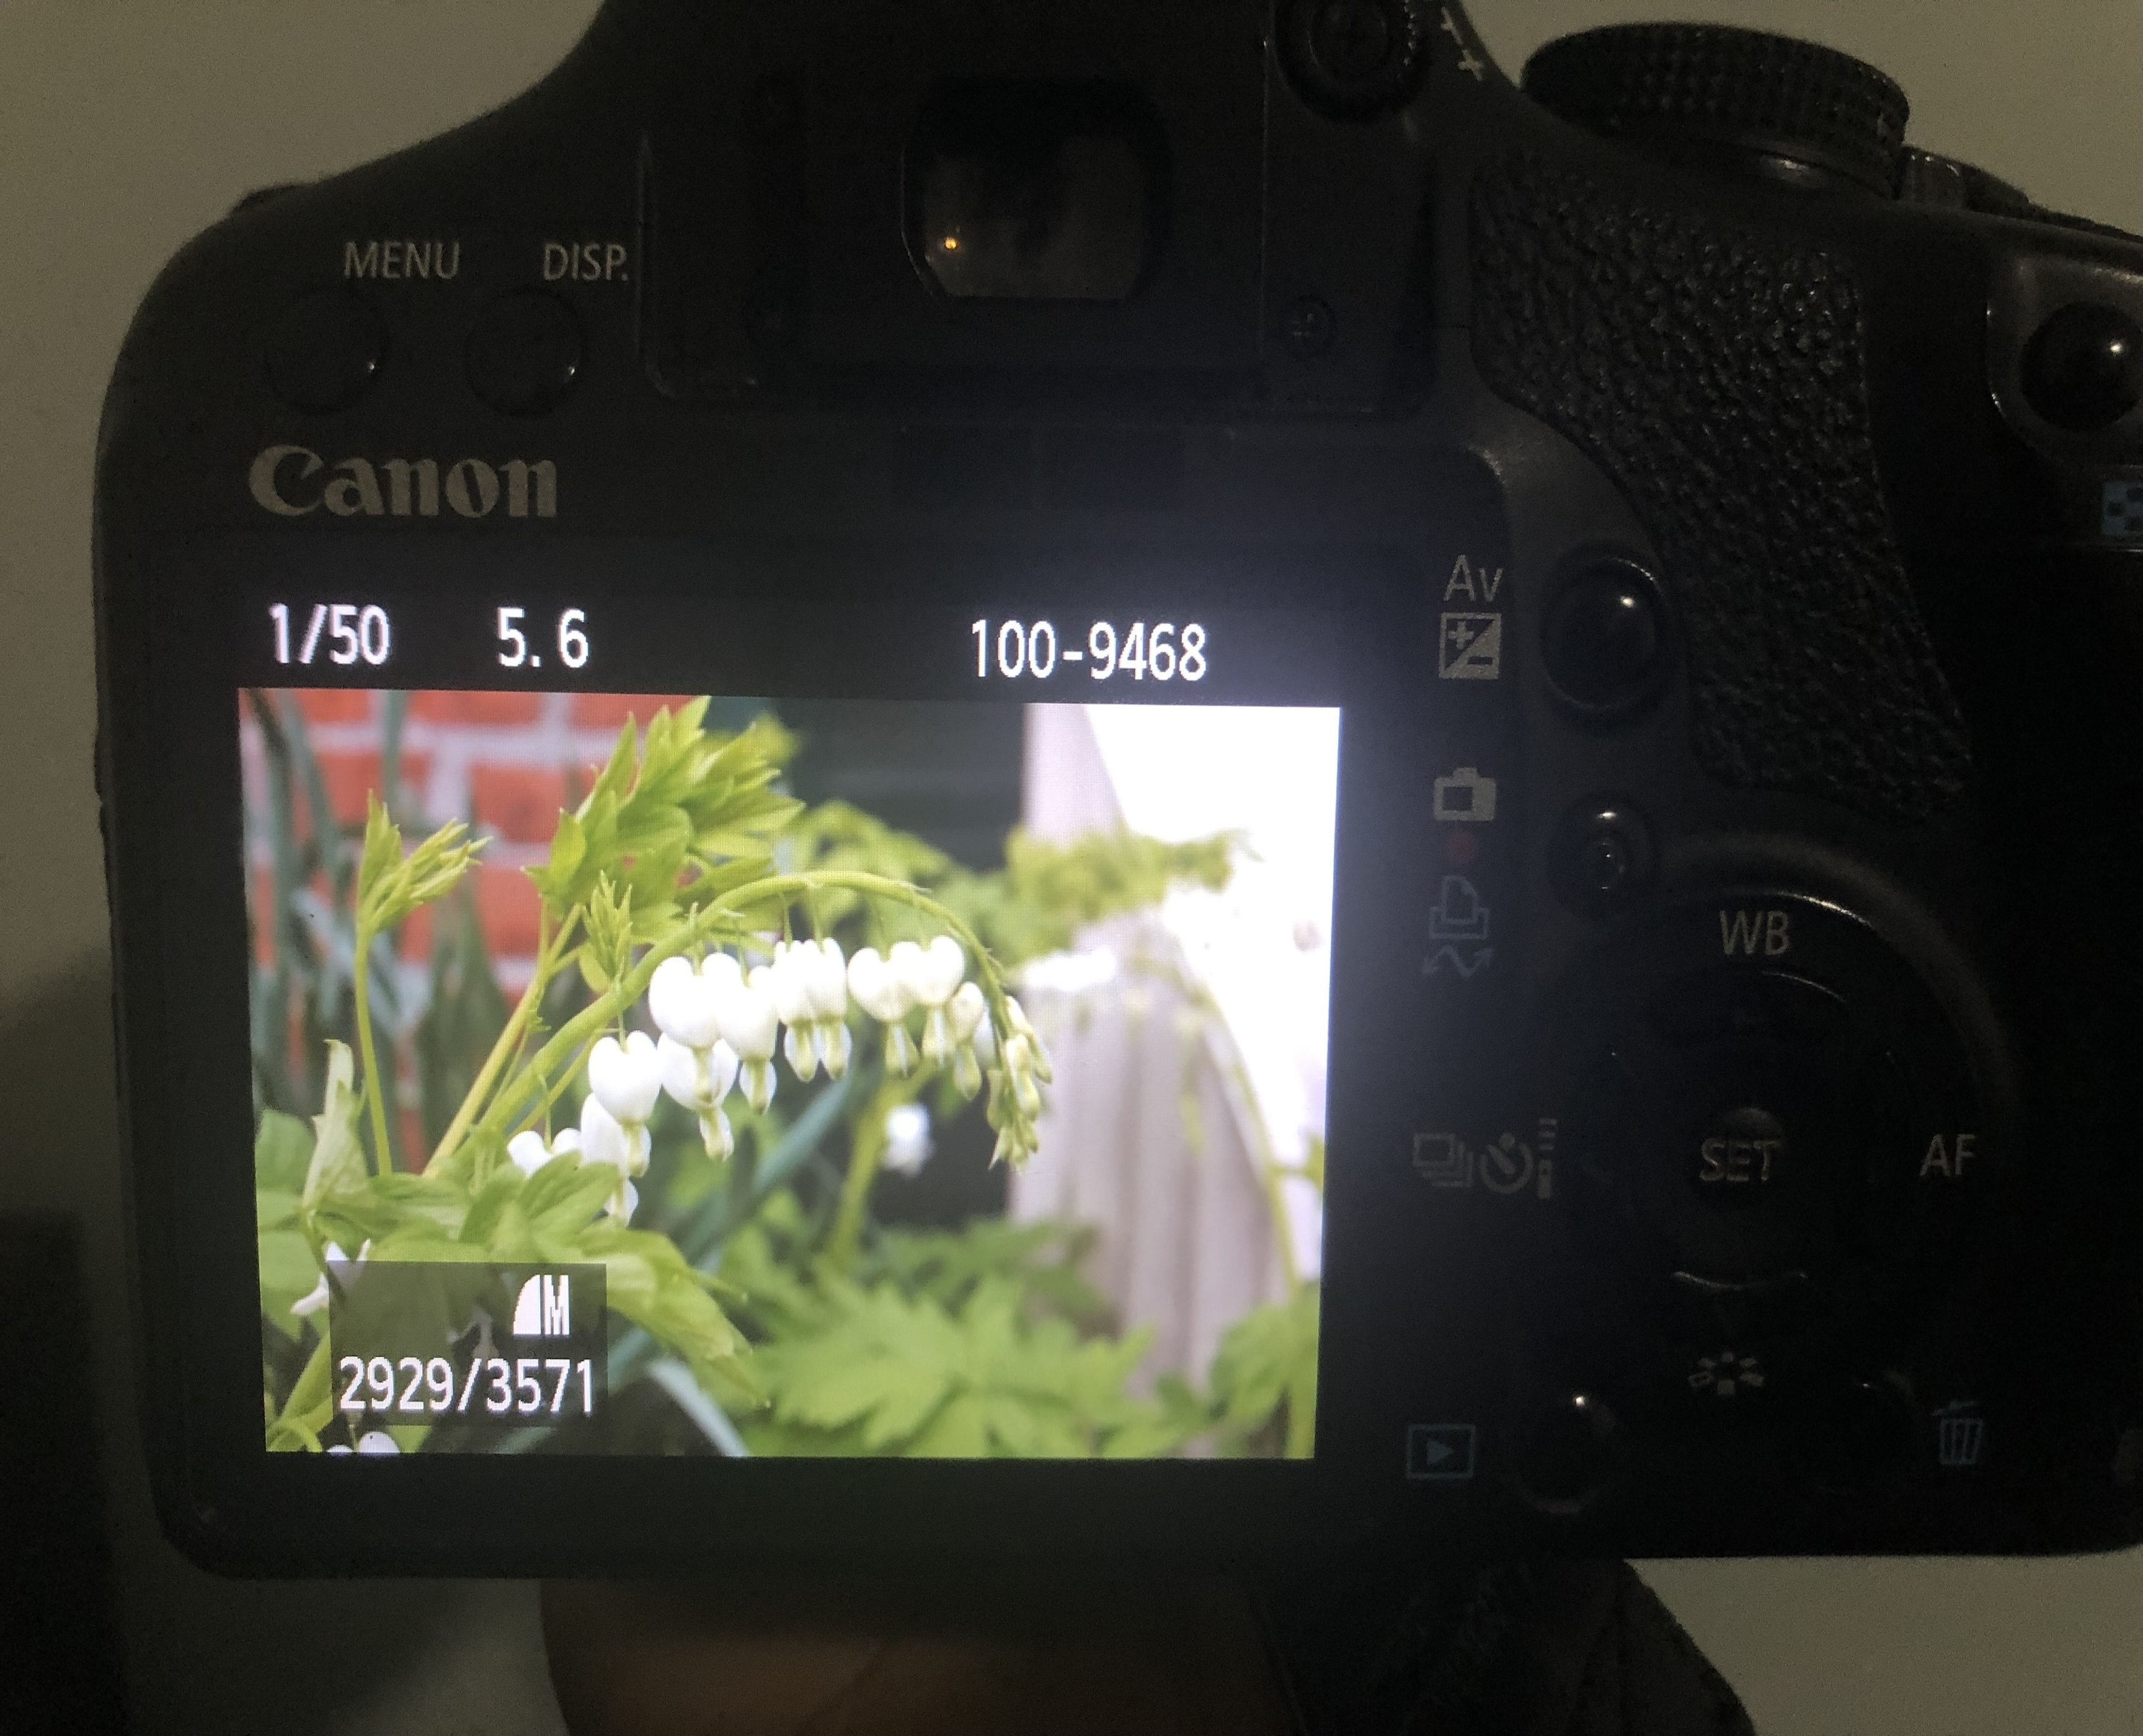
(1440, 1453)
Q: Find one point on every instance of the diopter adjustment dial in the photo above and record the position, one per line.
(1745, 90)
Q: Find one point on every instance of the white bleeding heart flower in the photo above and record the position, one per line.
(930, 974)
(835, 1046)
(528, 1151)
(623, 1203)
(787, 979)
(745, 1008)
(697, 1067)
(700, 1079)
(605, 1140)
(802, 1052)
(809, 981)
(932, 977)
(826, 979)
(877, 986)
(908, 1142)
(626, 1078)
(374, 1443)
(316, 1299)
(683, 1002)
(751, 1026)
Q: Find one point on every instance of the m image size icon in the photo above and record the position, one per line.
(544, 1308)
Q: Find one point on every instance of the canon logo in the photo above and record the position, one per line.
(292, 481)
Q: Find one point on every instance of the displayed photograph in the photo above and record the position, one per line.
(677, 1074)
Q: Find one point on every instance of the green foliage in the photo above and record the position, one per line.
(464, 1018)
(684, 800)
(980, 1342)
(1042, 1258)
(1264, 1374)
(908, 1375)
(1047, 892)
(607, 954)
(478, 1211)
(390, 885)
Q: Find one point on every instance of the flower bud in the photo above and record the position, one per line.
(967, 1070)
(968, 1011)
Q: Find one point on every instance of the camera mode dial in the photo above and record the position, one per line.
(1786, 108)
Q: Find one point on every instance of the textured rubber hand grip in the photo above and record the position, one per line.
(1720, 380)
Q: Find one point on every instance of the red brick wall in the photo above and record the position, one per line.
(506, 763)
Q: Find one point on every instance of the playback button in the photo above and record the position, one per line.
(1441, 1452)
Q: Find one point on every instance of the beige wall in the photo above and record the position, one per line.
(124, 128)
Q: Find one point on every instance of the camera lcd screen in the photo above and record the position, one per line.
(699, 1073)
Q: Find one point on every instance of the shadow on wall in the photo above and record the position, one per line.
(202, 1653)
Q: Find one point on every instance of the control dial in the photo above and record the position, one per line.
(1786, 108)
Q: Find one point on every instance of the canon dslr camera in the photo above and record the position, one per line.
(1130, 777)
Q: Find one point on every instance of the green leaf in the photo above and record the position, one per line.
(390, 885)
(287, 1273)
(282, 1150)
(1267, 1358)
(961, 1429)
(337, 1161)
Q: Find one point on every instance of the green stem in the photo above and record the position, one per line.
(866, 1153)
(376, 1087)
(310, 1406)
(549, 949)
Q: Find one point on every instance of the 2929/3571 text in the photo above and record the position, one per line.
(424, 1388)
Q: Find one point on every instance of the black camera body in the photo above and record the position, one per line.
(1721, 528)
